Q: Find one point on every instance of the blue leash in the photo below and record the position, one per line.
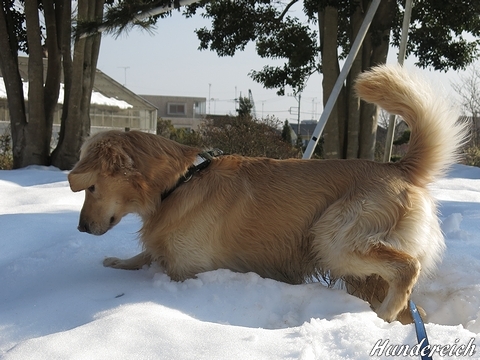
(420, 329)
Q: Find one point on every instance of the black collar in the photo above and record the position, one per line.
(201, 162)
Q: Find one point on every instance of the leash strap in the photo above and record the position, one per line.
(420, 330)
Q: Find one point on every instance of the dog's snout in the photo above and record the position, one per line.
(83, 227)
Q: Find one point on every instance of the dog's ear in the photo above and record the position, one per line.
(114, 158)
(108, 156)
(81, 180)
(103, 155)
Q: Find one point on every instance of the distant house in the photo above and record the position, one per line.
(306, 130)
(183, 111)
(112, 105)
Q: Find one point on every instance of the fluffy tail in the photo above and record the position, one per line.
(436, 135)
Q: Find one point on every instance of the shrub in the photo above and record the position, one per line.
(472, 156)
(6, 155)
(181, 135)
(244, 135)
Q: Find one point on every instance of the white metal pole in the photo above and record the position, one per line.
(341, 78)
(401, 57)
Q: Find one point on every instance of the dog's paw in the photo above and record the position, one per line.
(134, 263)
(113, 262)
(405, 316)
(386, 313)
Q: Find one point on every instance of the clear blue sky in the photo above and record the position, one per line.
(168, 62)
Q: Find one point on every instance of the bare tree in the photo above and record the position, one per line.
(247, 136)
(468, 88)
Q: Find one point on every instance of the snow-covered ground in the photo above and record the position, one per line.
(57, 301)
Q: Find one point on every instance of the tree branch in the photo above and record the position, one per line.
(286, 9)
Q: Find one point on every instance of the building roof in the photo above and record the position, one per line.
(107, 91)
(111, 88)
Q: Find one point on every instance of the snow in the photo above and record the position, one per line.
(97, 98)
(57, 301)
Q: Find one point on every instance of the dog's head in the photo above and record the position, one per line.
(125, 173)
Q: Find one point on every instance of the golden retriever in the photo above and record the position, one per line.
(373, 224)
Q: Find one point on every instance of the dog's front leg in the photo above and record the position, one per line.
(134, 263)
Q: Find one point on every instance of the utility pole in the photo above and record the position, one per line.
(209, 89)
(235, 100)
(299, 99)
(298, 126)
(125, 70)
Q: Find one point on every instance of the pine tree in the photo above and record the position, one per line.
(287, 132)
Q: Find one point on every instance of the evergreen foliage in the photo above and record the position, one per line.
(6, 156)
(245, 107)
(287, 132)
(181, 135)
(403, 139)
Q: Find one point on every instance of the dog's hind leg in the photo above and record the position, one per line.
(401, 272)
(134, 263)
(374, 289)
(357, 237)
(351, 254)
(398, 269)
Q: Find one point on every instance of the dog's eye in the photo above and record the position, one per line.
(91, 188)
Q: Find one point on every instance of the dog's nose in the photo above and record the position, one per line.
(83, 227)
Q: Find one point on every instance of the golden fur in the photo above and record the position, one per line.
(373, 224)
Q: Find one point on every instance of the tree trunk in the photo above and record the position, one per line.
(374, 52)
(75, 127)
(66, 51)
(32, 129)
(37, 147)
(13, 85)
(352, 132)
(328, 25)
(53, 20)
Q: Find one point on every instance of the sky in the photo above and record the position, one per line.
(168, 62)
(57, 301)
